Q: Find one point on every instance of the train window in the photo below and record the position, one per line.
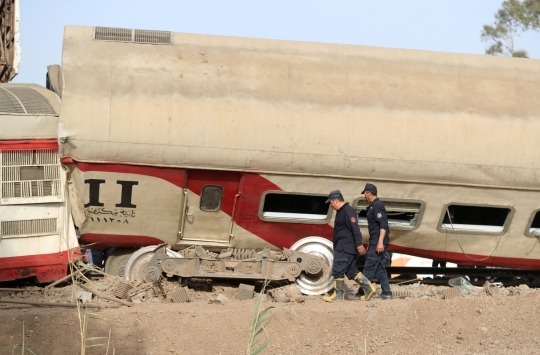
(475, 219)
(402, 214)
(294, 207)
(534, 225)
(211, 197)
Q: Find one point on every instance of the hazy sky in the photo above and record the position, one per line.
(449, 26)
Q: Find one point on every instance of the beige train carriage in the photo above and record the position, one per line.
(234, 142)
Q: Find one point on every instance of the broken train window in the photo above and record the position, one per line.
(533, 228)
(471, 219)
(402, 214)
(294, 207)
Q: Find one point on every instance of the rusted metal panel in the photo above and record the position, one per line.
(10, 51)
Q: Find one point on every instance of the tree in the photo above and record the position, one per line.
(513, 18)
(531, 20)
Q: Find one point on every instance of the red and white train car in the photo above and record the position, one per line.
(234, 143)
(37, 235)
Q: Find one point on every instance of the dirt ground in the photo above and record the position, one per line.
(423, 323)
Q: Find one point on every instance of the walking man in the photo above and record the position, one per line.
(347, 245)
(379, 234)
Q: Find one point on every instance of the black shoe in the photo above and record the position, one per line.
(386, 295)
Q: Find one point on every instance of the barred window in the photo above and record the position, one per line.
(30, 173)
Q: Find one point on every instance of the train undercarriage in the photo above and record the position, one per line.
(308, 263)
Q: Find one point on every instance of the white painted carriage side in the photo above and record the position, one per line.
(46, 244)
(36, 221)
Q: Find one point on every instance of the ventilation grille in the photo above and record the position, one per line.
(30, 173)
(134, 36)
(156, 37)
(29, 227)
(9, 104)
(23, 100)
(113, 34)
(30, 157)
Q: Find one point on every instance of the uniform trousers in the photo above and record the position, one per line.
(344, 264)
(376, 266)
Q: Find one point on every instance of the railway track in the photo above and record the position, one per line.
(477, 276)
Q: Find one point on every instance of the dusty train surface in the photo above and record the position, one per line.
(234, 142)
(37, 235)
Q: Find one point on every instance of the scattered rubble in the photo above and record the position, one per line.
(420, 319)
(289, 293)
(219, 299)
(450, 293)
(245, 292)
(179, 296)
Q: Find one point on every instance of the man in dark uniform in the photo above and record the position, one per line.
(347, 245)
(379, 237)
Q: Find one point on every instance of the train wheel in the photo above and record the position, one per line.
(323, 281)
(116, 262)
(137, 262)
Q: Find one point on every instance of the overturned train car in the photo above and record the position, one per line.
(234, 143)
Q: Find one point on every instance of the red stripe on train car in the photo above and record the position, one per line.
(174, 176)
(29, 144)
(103, 241)
(45, 267)
(281, 235)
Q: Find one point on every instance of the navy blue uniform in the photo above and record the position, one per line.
(377, 220)
(347, 237)
(376, 262)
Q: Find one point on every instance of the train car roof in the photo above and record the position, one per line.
(177, 99)
(28, 111)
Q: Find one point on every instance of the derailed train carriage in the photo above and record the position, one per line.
(37, 235)
(232, 144)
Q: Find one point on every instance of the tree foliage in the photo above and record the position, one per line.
(513, 18)
(531, 19)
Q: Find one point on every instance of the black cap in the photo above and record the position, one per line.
(371, 188)
(333, 194)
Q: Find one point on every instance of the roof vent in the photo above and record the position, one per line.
(24, 100)
(9, 104)
(133, 36)
(113, 34)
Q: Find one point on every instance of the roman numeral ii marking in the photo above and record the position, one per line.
(125, 198)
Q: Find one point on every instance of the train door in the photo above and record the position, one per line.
(208, 207)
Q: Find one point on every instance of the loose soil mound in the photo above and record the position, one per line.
(424, 323)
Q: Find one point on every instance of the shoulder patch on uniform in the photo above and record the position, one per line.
(379, 215)
(353, 219)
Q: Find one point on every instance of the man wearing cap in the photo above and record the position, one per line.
(379, 234)
(347, 245)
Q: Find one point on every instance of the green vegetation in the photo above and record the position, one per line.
(23, 346)
(513, 18)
